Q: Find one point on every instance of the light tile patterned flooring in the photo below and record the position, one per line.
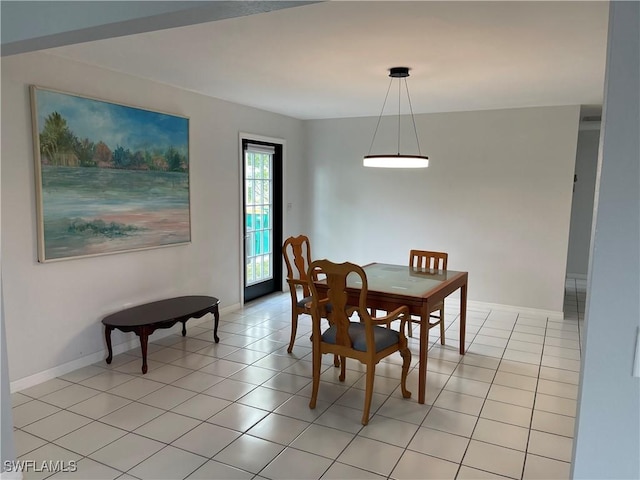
(239, 409)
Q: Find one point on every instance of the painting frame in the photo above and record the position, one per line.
(109, 177)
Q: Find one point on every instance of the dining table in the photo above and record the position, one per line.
(392, 286)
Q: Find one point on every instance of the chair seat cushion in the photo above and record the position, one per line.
(384, 337)
(302, 303)
(306, 303)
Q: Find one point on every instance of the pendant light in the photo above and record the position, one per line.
(396, 160)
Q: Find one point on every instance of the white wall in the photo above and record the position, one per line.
(496, 196)
(607, 438)
(53, 311)
(582, 204)
(7, 442)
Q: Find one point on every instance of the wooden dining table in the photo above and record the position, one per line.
(391, 286)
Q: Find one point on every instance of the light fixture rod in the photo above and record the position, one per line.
(399, 88)
(380, 116)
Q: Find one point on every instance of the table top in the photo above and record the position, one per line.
(161, 311)
(403, 279)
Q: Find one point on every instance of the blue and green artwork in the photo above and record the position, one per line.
(110, 178)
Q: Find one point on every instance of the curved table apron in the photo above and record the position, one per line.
(146, 319)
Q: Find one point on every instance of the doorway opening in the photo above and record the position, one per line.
(262, 217)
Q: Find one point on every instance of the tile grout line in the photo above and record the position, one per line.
(535, 397)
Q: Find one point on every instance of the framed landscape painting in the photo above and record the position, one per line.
(109, 178)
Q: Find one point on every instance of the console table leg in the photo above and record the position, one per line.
(143, 333)
(216, 316)
(107, 336)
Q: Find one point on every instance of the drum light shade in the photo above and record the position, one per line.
(395, 161)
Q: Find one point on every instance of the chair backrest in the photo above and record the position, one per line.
(428, 260)
(297, 256)
(335, 275)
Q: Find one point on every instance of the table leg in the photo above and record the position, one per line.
(463, 317)
(424, 340)
(107, 336)
(143, 333)
(216, 316)
(184, 327)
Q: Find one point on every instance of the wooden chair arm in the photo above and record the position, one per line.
(296, 281)
(322, 302)
(401, 313)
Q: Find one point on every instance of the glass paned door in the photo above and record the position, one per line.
(259, 184)
(260, 206)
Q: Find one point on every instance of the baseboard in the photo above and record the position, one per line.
(577, 276)
(90, 359)
(85, 361)
(535, 312)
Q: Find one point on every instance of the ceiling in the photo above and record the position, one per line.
(331, 59)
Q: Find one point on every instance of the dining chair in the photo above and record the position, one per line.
(436, 261)
(297, 257)
(352, 332)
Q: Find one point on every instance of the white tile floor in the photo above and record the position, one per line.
(240, 409)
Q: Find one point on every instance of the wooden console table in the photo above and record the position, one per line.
(146, 319)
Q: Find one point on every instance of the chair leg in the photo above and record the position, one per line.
(316, 357)
(343, 368)
(442, 326)
(410, 325)
(406, 361)
(294, 329)
(371, 375)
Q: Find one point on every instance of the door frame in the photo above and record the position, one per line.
(241, 240)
